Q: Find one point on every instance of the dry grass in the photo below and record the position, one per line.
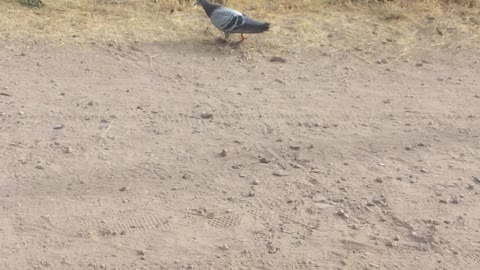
(345, 24)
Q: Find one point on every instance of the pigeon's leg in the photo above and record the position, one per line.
(243, 37)
(223, 40)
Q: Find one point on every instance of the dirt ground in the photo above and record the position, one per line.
(196, 155)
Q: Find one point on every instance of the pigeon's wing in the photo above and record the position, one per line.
(226, 19)
(251, 26)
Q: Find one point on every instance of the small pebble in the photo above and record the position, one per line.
(295, 147)
(278, 59)
(391, 244)
(255, 182)
(224, 247)
(342, 213)
(476, 179)
(122, 189)
(141, 252)
(223, 153)
(454, 201)
(280, 173)
(470, 186)
(206, 115)
(187, 176)
(60, 126)
(264, 160)
(379, 180)
(396, 238)
(423, 170)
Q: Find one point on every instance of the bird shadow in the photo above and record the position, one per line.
(211, 47)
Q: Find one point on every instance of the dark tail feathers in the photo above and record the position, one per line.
(252, 26)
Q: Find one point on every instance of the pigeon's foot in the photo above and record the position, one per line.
(237, 43)
(221, 41)
(243, 38)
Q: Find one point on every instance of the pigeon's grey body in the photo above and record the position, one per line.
(231, 21)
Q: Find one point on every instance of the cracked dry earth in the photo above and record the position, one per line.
(180, 157)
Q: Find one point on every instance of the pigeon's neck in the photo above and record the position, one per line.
(208, 7)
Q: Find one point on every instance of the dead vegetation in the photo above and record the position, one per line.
(298, 24)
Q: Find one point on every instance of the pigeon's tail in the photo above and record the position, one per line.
(251, 27)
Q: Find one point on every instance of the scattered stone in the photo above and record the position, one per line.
(122, 189)
(419, 64)
(277, 59)
(264, 160)
(67, 150)
(255, 182)
(60, 126)
(295, 147)
(423, 170)
(223, 153)
(343, 214)
(379, 180)
(251, 193)
(141, 252)
(381, 201)
(354, 226)
(123, 232)
(280, 173)
(224, 247)
(39, 167)
(391, 244)
(408, 148)
(476, 179)
(443, 201)
(470, 186)
(271, 248)
(396, 238)
(206, 115)
(454, 201)
(187, 176)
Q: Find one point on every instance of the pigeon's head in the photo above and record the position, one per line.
(202, 2)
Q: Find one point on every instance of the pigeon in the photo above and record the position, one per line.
(230, 21)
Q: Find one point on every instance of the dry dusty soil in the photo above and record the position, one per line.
(206, 156)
